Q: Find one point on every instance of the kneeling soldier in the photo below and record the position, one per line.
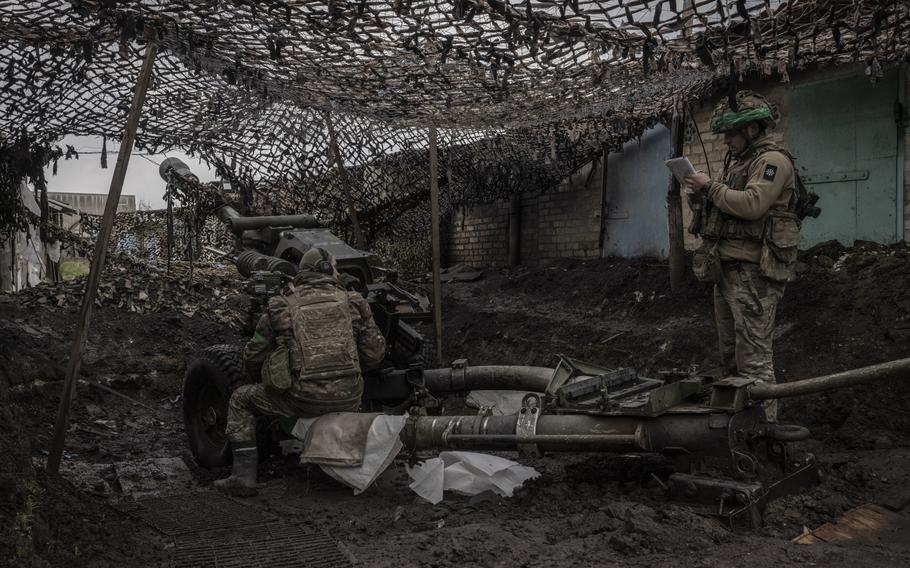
(309, 349)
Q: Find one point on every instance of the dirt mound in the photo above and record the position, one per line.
(216, 293)
(848, 309)
(46, 522)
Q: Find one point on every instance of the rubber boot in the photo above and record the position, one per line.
(242, 481)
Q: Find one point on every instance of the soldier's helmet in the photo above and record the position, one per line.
(317, 260)
(750, 107)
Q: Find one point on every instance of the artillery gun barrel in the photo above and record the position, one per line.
(175, 166)
(891, 369)
(227, 213)
(305, 221)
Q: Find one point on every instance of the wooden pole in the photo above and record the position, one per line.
(345, 182)
(91, 287)
(601, 237)
(677, 252)
(515, 230)
(169, 238)
(437, 277)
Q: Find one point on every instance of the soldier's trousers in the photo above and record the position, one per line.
(250, 401)
(745, 303)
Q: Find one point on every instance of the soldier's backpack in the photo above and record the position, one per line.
(803, 200)
(323, 335)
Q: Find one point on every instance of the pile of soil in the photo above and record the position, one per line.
(848, 309)
(47, 521)
(141, 289)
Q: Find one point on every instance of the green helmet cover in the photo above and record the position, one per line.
(752, 107)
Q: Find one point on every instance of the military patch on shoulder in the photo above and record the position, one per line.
(770, 172)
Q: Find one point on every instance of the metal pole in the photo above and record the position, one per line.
(890, 370)
(345, 183)
(677, 252)
(437, 278)
(91, 287)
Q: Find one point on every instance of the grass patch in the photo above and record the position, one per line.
(25, 517)
(73, 268)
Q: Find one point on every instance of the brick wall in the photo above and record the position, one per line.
(479, 236)
(559, 224)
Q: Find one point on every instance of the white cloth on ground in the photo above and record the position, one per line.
(468, 473)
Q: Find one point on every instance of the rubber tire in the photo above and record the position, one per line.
(211, 376)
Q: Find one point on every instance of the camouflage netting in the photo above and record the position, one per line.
(522, 92)
(143, 235)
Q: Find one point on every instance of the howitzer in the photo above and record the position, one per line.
(267, 252)
(728, 460)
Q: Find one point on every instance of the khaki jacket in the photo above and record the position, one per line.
(757, 182)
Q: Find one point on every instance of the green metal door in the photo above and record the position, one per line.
(845, 138)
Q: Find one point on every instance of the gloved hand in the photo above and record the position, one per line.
(696, 181)
(349, 281)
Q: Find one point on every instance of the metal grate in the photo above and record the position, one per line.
(272, 545)
(196, 512)
(211, 530)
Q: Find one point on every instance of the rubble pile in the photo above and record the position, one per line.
(210, 291)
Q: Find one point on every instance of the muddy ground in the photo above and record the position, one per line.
(850, 308)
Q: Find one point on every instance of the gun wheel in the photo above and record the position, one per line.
(211, 377)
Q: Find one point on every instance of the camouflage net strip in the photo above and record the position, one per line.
(523, 92)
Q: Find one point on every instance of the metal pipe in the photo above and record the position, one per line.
(305, 221)
(497, 377)
(599, 441)
(558, 433)
(892, 369)
(707, 433)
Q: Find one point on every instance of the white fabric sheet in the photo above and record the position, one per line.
(468, 473)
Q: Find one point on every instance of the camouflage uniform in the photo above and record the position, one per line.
(757, 190)
(312, 394)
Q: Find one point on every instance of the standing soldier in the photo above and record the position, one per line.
(309, 349)
(750, 233)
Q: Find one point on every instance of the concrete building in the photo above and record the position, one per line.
(24, 259)
(89, 204)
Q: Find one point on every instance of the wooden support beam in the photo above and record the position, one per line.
(345, 182)
(437, 277)
(515, 230)
(601, 237)
(91, 288)
(170, 230)
(677, 249)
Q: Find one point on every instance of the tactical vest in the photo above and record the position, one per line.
(324, 346)
(720, 225)
(777, 231)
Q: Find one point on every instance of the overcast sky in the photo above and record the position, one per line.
(86, 176)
